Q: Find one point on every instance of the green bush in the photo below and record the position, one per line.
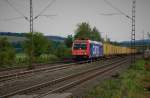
(52, 58)
(46, 58)
(7, 53)
(130, 84)
(139, 65)
(35, 45)
(63, 52)
(21, 58)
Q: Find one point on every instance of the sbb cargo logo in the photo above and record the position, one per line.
(95, 50)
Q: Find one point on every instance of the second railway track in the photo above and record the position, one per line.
(16, 75)
(73, 80)
(21, 73)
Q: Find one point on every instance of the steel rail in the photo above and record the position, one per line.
(35, 87)
(51, 69)
(77, 82)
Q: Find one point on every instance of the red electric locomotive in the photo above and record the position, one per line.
(86, 49)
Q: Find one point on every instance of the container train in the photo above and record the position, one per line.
(87, 49)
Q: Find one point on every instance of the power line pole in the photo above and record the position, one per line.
(106, 37)
(143, 43)
(133, 25)
(31, 21)
(31, 17)
(133, 32)
(31, 31)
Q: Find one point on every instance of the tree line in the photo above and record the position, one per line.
(36, 44)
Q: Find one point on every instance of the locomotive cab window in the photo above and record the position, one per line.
(80, 46)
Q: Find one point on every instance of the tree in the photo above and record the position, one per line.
(84, 31)
(40, 45)
(50, 49)
(95, 35)
(7, 52)
(60, 50)
(69, 41)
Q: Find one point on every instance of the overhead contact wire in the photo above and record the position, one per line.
(49, 5)
(117, 9)
(7, 1)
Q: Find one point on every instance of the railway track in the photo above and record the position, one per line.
(22, 73)
(17, 75)
(8, 71)
(69, 81)
(81, 79)
(37, 65)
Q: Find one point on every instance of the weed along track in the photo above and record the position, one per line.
(66, 82)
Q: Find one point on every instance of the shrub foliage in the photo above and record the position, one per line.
(7, 52)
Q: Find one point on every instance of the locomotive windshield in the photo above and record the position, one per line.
(80, 46)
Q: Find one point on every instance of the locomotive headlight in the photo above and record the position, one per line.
(85, 52)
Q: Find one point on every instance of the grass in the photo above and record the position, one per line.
(47, 58)
(21, 60)
(133, 83)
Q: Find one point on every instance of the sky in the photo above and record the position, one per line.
(69, 13)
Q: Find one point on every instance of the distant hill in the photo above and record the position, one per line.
(137, 42)
(19, 37)
(12, 34)
(13, 39)
(56, 38)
